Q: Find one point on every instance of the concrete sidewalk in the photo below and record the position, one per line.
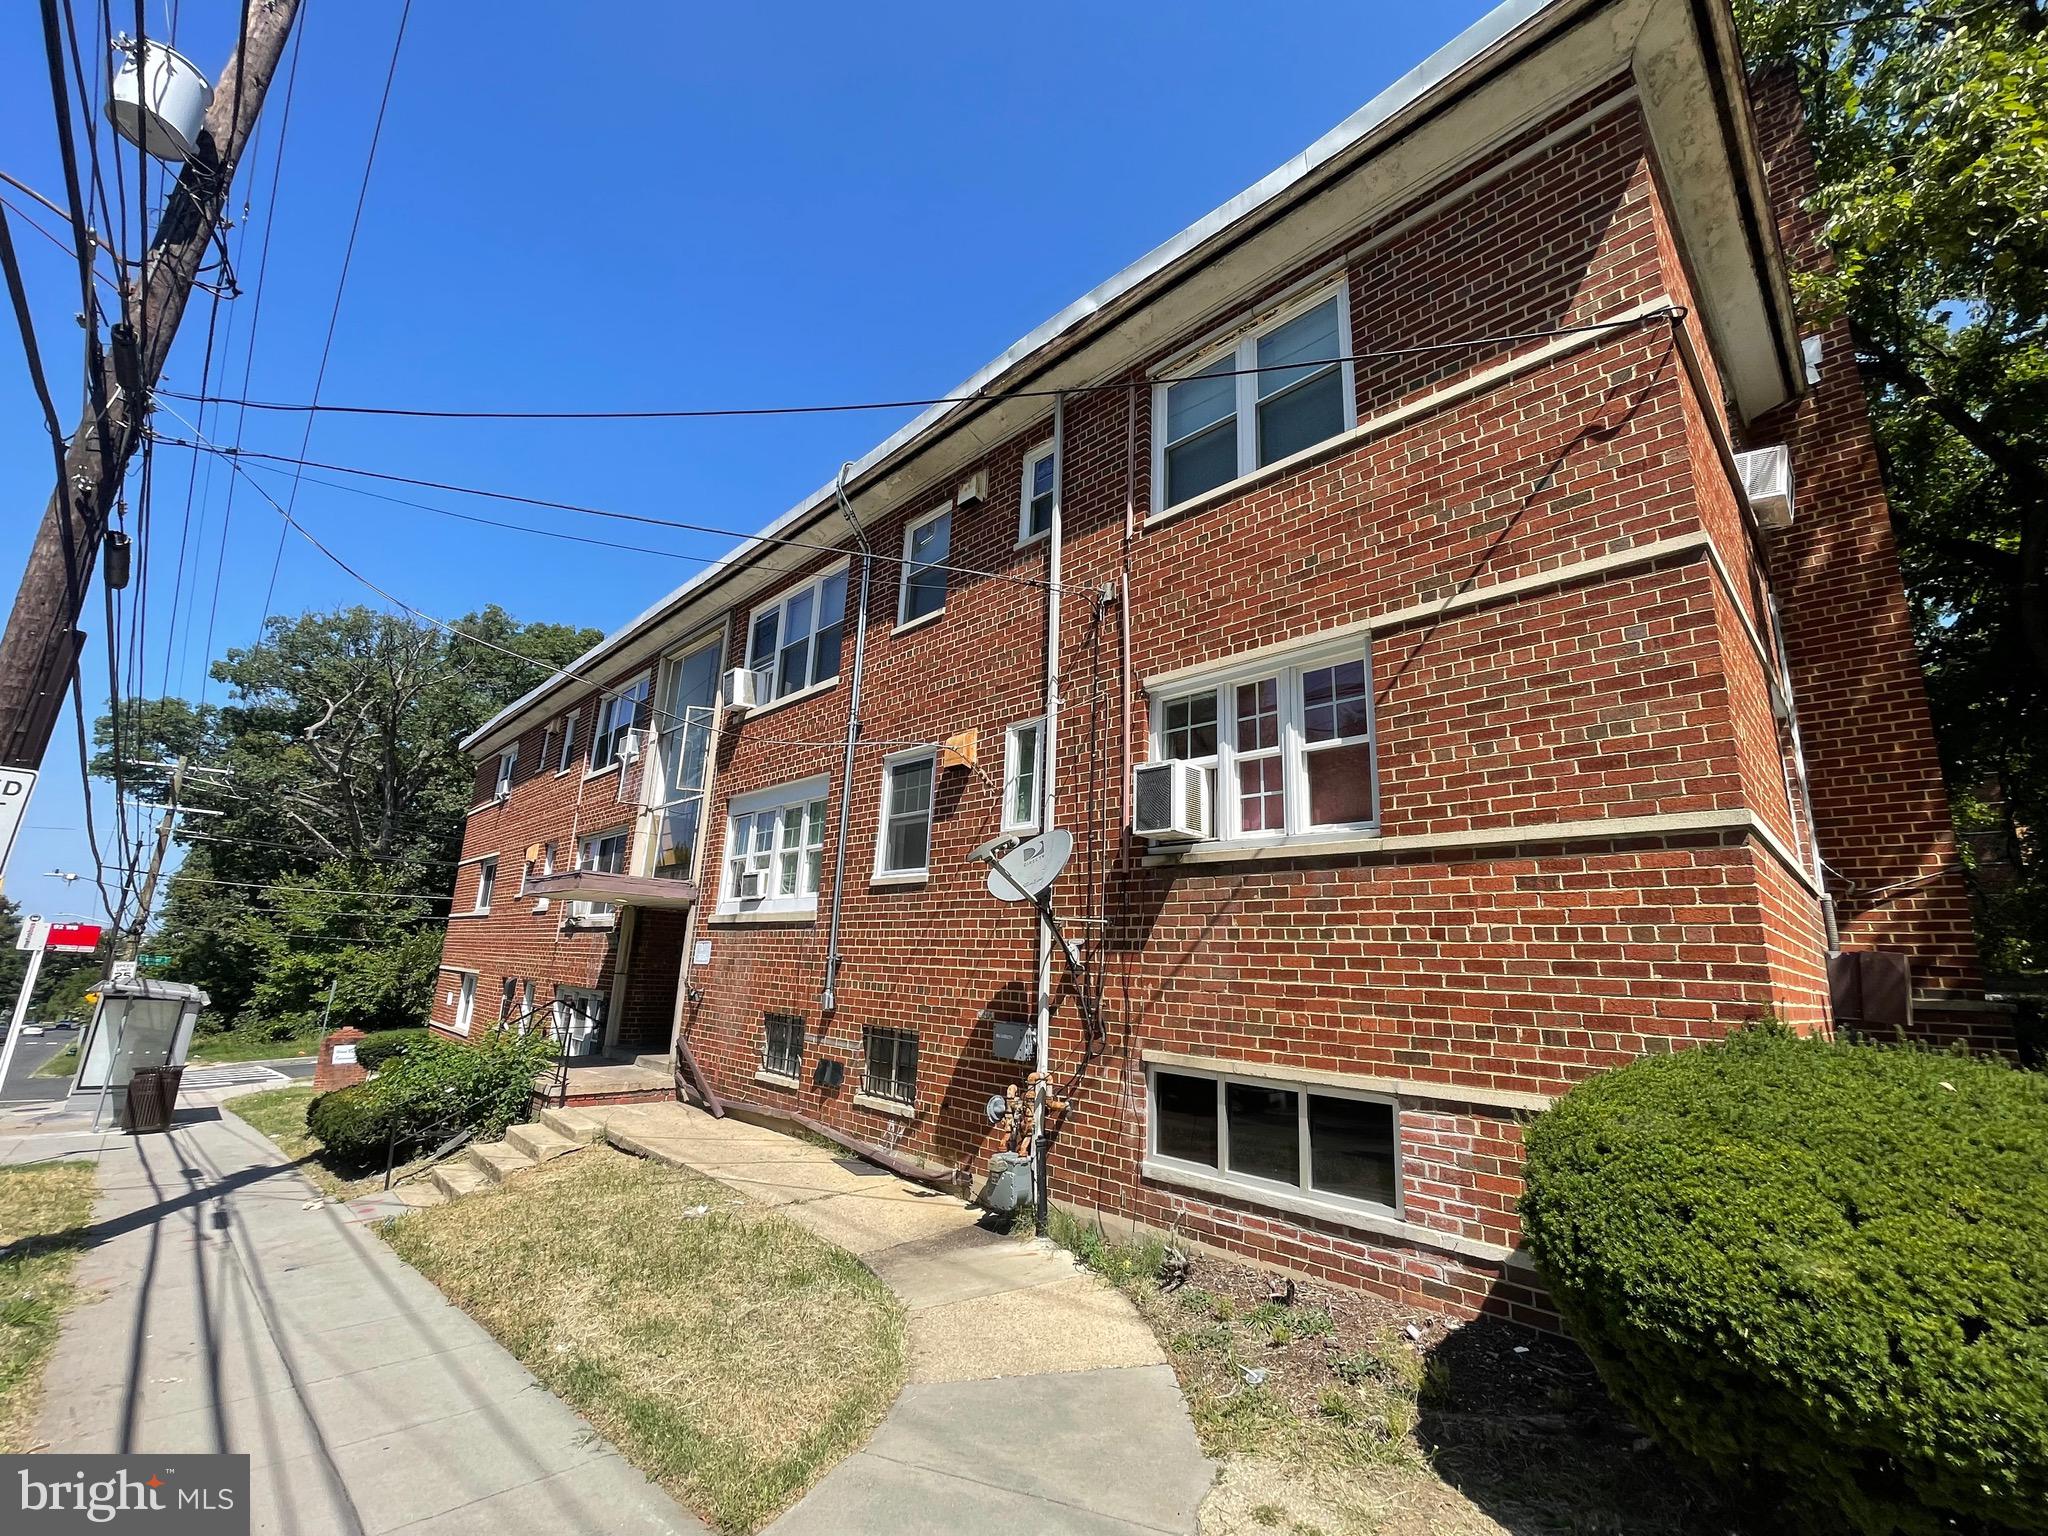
(238, 1311)
(1038, 1399)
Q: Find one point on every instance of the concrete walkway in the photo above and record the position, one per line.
(1037, 1401)
(238, 1311)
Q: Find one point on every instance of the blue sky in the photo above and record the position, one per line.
(685, 207)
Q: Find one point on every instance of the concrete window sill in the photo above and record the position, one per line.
(777, 1080)
(894, 1107)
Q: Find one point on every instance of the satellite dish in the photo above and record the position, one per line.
(1031, 866)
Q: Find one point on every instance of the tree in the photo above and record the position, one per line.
(1929, 125)
(341, 815)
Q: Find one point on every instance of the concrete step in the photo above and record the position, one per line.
(420, 1194)
(538, 1142)
(498, 1161)
(654, 1061)
(455, 1180)
(573, 1124)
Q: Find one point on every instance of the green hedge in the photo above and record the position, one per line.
(484, 1085)
(375, 1051)
(1819, 1270)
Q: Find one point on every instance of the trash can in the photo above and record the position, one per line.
(152, 1096)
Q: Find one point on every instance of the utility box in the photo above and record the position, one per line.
(1008, 1185)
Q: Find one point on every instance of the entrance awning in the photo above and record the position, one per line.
(627, 890)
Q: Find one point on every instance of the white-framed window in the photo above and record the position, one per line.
(620, 712)
(465, 1001)
(775, 848)
(567, 758)
(782, 1045)
(1035, 496)
(927, 545)
(486, 883)
(903, 842)
(579, 1021)
(1023, 755)
(1270, 391)
(508, 763)
(544, 865)
(604, 853)
(548, 736)
(1288, 744)
(1286, 1141)
(793, 643)
(889, 1069)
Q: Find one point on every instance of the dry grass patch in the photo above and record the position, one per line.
(44, 1208)
(1335, 1413)
(280, 1114)
(729, 1354)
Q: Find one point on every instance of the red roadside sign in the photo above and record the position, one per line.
(73, 938)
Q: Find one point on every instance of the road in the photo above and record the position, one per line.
(24, 1087)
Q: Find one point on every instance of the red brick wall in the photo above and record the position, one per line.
(1882, 812)
(1480, 976)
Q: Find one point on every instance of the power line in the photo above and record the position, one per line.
(348, 254)
(1420, 349)
(780, 540)
(308, 890)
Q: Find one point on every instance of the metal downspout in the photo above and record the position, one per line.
(1819, 865)
(828, 997)
(1048, 738)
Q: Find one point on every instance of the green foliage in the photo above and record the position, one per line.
(1820, 1270)
(376, 1051)
(347, 789)
(1929, 124)
(432, 1090)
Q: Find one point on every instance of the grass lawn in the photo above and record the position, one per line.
(43, 1211)
(63, 1064)
(219, 1047)
(1335, 1413)
(280, 1114)
(729, 1354)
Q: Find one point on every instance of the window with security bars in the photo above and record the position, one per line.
(891, 1071)
(782, 1045)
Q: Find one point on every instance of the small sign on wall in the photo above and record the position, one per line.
(345, 1055)
(701, 953)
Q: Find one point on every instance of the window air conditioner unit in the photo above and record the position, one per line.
(1171, 802)
(738, 690)
(753, 884)
(630, 744)
(1767, 482)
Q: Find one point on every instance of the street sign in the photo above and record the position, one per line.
(16, 785)
(31, 934)
(154, 959)
(73, 938)
(123, 970)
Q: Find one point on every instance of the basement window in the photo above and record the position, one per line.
(891, 1070)
(465, 1002)
(1271, 390)
(782, 1045)
(1258, 1137)
(1287, 745)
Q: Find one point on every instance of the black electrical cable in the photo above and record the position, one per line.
(348, 253)
(1421, 349)
(17, 293)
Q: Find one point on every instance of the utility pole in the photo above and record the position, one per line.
(128, 946)
(42, 640)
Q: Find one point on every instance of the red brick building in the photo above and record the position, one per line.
(1400, 498)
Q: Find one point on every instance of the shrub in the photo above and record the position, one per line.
(375, 1051)
(1819, 1270)
(431, 1091)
